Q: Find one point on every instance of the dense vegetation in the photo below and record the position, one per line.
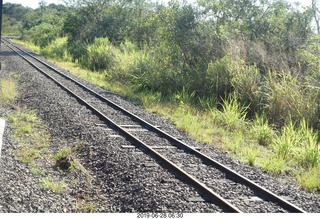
(249, 68)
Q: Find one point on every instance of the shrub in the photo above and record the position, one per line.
(42, 35)
(245, 82)
(218, 77)
(100, 55)
(57, 49)
(286, 98)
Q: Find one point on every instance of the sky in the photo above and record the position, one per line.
(35, 3)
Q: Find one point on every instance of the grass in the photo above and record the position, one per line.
(64, 152)
(8, 91)
(262, 131)
(310, 180)
(84, 205)
(30, 133)
(57, 187)
(232, 115)
(28, 129)
(292, 150)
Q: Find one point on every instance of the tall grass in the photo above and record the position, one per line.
(246, 84)
(287, 141)
(298, 142)
(218, 77)
(287, 99)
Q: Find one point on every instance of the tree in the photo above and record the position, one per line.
(316, 14)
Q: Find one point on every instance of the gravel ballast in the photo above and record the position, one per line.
(114, 179)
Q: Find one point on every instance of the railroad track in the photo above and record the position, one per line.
(167, 148)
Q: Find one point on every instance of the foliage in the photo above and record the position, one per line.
(287, 98)
(299, 143)
(43, 25)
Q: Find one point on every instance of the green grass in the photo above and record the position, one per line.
(30, 133)
(56, 187)
(274, 165)
(64, 152)
(8, 91)
(233, 115)
(261, 131)
(310, 180)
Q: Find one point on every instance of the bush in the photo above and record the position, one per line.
(57, 49)
(245, 82)
(42, 35)
(286, 98)
(100, 55)
(218, 77)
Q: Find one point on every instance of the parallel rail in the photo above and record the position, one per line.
(214, 197)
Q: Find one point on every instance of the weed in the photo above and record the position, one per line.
(274, 165)
(261, 131)
(36, 171)
(57, 187)
(64, 152)
(233, 115)
(284, 143)
(30, 133)
(84, 205)
(8, 91)
(234, 142)
(308, 151)
(250, 155)
(310, 180)
(287, 100)
(28, 155)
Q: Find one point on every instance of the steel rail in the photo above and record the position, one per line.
(212, 196)
(260, 191)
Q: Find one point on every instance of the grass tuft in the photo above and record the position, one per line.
(274, 165)
(30, 133)
(310, 180)
(233, 115)
(262, 131)
(8, 91)
(56, 187)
